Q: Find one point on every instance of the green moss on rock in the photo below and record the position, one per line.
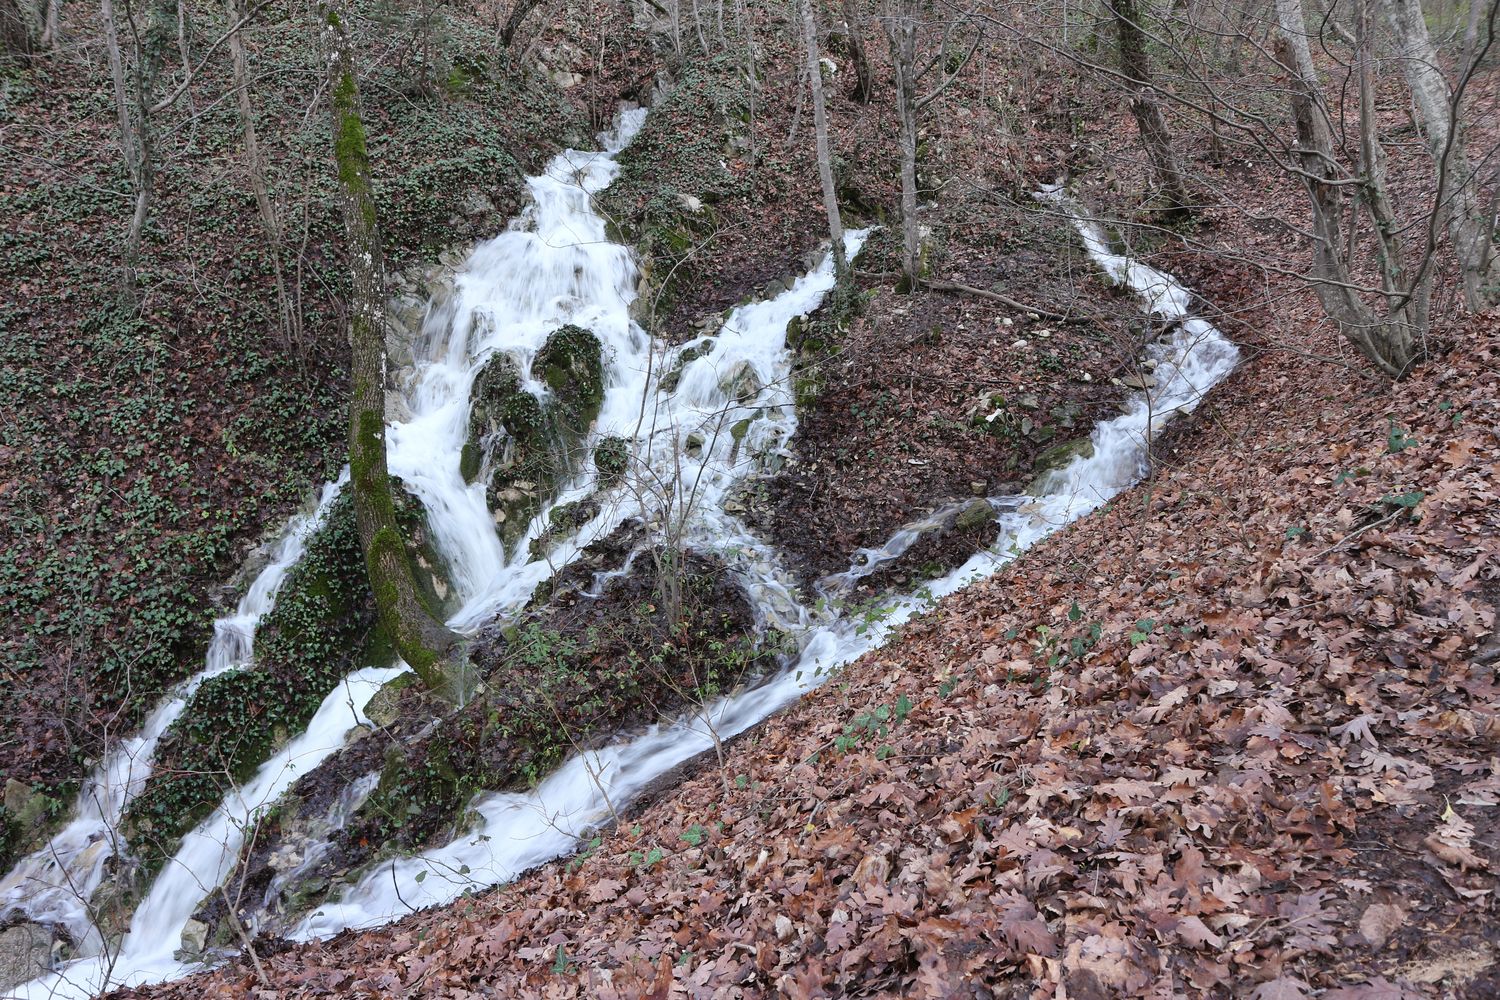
(235, 721)
(611, 460)
(571, 363)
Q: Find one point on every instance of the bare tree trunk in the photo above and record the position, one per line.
(1388, 345)
(1152, 124)
(901, 31)
(185, 52)
(17, 37)
(517, 16)
(240, 65)
(820, 138)
(1457, 196)
(1471, 30)
(419, 637)
(134, 145)
(49, 29)
(864, 83)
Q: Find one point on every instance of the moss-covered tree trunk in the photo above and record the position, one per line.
(419, 637)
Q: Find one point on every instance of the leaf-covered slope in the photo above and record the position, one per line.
(1233, 736)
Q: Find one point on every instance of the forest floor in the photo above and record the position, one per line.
(1234, 735)
(1269, 768)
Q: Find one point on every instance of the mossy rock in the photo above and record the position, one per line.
(313, 636)
(1055, 459)
(430, 568)
(976, 515)
(571, 363)
(382, 709)
(562, 519)
(612, 460)
(500, 401)
(740, 383)
(525, 467)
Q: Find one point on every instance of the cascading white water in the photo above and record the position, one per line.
(729, 414)
(208, 853)
(516, 831)
(54, 884)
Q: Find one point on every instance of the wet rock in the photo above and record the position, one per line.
(694, 444)
(194, 937)
(1056, 458)
(25, 950)
(26, 809)
(740, 383)
(477, 203)
(384, 709)
(1137, 381)
(611, 459)
(571, 362)
(976, 515)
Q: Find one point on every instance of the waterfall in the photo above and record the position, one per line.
(727, 414)
(54, 884)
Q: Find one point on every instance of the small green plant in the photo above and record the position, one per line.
(1397, 439)
(1142, 631)
(1455, 415)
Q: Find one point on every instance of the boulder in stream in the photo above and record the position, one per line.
(25, 953)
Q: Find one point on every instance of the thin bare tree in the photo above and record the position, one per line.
(820, 136)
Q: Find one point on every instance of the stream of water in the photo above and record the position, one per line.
(730, 415)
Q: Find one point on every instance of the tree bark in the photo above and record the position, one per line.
(49, 27)
(820, 138)
(419, 637)
(135, 147)
(513, 22)
(1457, 197)
(1389, 345)
(1135, 64)
(270, 222)
(901, 31)
(864, 83)
(17, 37)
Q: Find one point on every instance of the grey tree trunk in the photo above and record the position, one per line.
(864, 82)
(1135, 64)
(1389, 345)
(49, 27)
(287, 319)
(135, 147)
(820, 138)
(17, 33)
(1457, 198)
(419, 637)
(901, 31)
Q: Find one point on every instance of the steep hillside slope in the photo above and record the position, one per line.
(1234, 735)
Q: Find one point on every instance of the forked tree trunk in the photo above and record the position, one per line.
(820, 138)
(1457, 197)
(1388, 343)
(420, 638)
(1135, 64)
(517, 17)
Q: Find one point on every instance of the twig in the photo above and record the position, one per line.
(985, 293)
